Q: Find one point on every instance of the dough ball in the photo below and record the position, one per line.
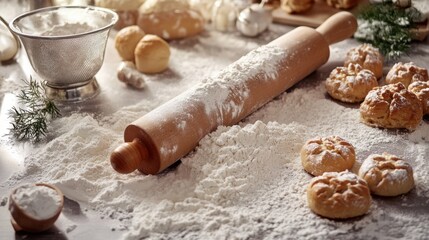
(296, 6)
(368, 57)
(421, 89)
(406, 73)
(152, 54)
(387, 175)
(170, 19)
(338, 195)
(391, 106)
(329, 154)
(119, 5)
(350, 84)
(126, 41)
(342, 4)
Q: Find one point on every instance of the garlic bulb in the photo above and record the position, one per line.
(254, 20)
(224, 15)
(8, 45)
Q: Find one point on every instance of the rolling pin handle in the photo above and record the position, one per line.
(338, 27)
(128, 156)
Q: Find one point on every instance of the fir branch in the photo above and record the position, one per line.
(387, 27)
(31, 121)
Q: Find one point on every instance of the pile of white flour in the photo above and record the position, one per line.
(241, 182)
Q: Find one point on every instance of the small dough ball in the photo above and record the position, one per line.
(387, 175)
(350, 84)
(126, 41)
(368, 57)
(406, 73)
(329, 154)
(152, 54)
(342, 4)
(391, 106)
(338, 195)
(421, 89)
(296, 6)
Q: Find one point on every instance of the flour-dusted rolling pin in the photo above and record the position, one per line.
(169, 132)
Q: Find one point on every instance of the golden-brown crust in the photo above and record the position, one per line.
(296, 6)
(342, 4)
(328, 154)
(387, 175)
(350, 84)
(391, 106)
(126, 18)
(126, 41)
(170, 19)
(421, 89)
(338, 195)
(152, 54)
(368, 57)
(406, 73)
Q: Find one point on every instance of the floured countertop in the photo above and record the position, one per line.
(241, 182)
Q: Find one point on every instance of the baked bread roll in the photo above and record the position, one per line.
(368, 57)
(127, 10)
(126, 41)
(387, 175)
(296, 6)
(391, 106)
(152, 54)
(350, 84)
(170, 19)
(406, 73)
(421, 89)
(338, 195)
(329, 154)
(342, 4)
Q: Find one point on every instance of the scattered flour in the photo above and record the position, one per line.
(241, 182)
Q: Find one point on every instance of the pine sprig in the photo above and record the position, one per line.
(387, 27)
(31, 121)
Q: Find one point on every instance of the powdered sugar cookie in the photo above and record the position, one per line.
(387, 175)
(338, 195)
(391, 106)
(328, 154)
(421, 89)
(296, 6)
(368, 57)
(350, 84)
(406, 73)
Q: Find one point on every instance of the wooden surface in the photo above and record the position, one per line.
(312, 18)
(321, 11)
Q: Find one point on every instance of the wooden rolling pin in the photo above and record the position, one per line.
(169, 132)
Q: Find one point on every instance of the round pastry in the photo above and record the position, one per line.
(342, 4)
(391, 106)
(350, 84)
(170, 19)
(338, 195)
(127, 10)
(329, 154)
(126, 41)
(387, 175)
(152, 54)
(296, 6)
(368, 57)
(421, 89)
(119, 5)
(406, 73)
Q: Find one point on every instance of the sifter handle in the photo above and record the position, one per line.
(338, 27)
